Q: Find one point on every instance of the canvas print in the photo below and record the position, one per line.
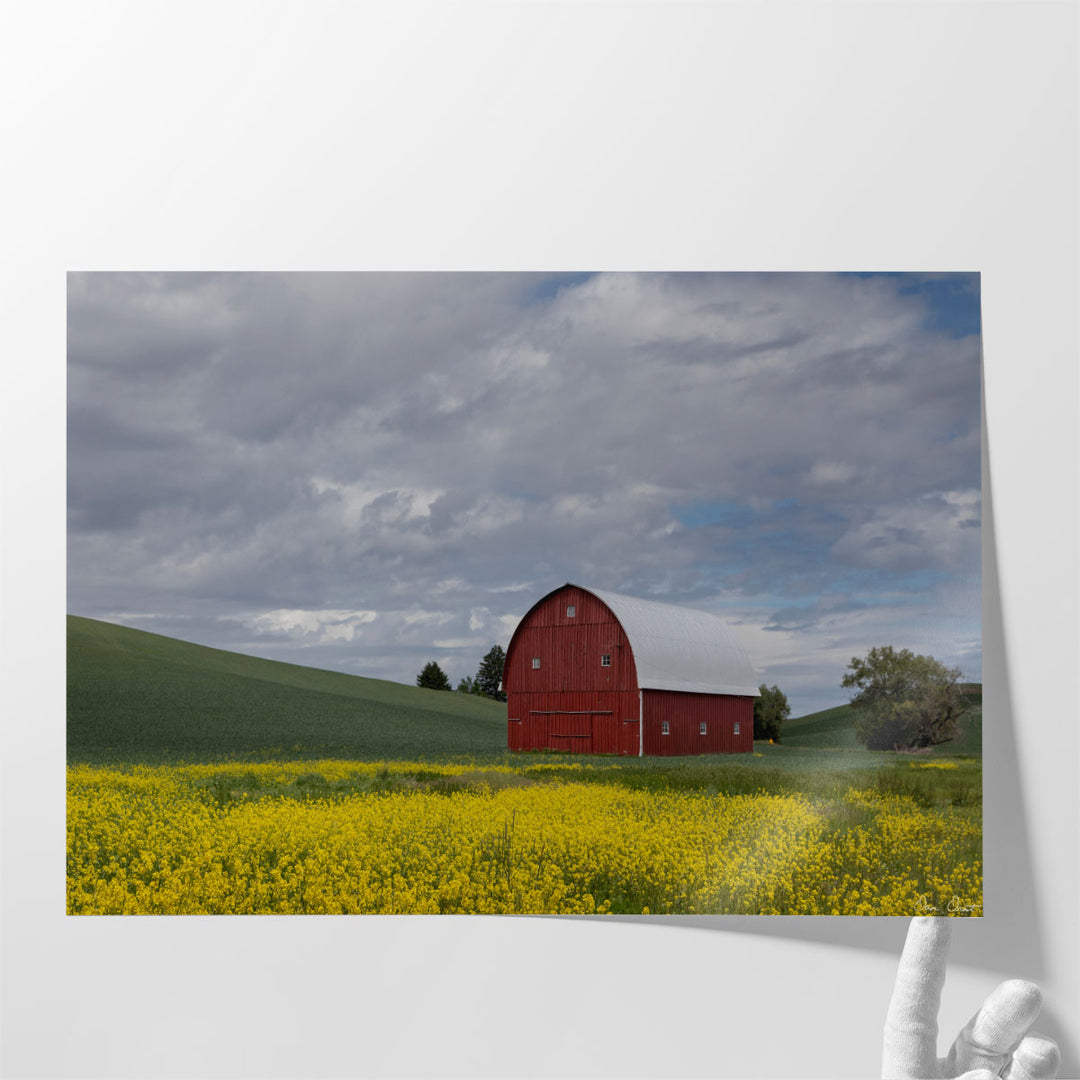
(478, 593)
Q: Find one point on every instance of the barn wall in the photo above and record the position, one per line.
(580, 723)
(571, 702)
(685, 712)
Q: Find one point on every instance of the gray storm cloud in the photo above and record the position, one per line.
(365, 471)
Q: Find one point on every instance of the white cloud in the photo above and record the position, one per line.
(517, 586)
(458, 643)
(937, 530)
(388, 504)
(449, 585)
(832, 472)
(426, 618)
(324, 625)
(489, 514)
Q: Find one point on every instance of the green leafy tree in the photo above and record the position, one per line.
(490, 672)
(433, 677)
(467, 686)
(904, 701)
(770, 712)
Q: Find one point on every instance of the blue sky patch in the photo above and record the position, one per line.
(547, 286)
(953, 305)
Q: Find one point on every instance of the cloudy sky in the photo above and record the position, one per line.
(368, 471)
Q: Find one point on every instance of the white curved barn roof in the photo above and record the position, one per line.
(677, 648)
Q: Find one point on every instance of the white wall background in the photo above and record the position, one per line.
(542, 136)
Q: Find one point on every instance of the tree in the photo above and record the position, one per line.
(489, 674)
(467, 686)
(904, 701)
(433, 677)
(770, 711)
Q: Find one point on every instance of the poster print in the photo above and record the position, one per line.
(506, 593)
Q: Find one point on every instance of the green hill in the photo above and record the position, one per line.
(139, 696)
(835, 728)
(829, 728)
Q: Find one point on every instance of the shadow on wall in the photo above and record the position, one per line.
(1008, 939)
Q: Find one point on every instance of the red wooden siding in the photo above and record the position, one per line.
(582, 723)
(686, 712)
(571, 702)
(575, 704)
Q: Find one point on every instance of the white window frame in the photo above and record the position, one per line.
(736, 727)
(571, 611)
(536, 663)
(605, 659)
(665, 728)
(703, 728)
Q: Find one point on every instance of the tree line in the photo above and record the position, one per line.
(486, 682)
(902, 701)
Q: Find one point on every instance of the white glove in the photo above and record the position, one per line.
(994, 1042)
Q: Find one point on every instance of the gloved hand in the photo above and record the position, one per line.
(994, 1042)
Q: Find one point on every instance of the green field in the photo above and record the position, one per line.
(143, 697)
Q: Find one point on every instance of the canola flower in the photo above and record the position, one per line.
(201, 839)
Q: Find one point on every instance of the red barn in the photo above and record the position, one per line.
(600, 673)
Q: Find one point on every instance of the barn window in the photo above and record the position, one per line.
(605, 660)
(702, 728)
(536, 662)
(736, 727)
(665, 728)
(571, 611)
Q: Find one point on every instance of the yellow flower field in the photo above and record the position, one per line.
(497, 839)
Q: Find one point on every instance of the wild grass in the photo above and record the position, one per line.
(914, 781)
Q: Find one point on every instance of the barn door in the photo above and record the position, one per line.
(571, 731)
(515, 734)
(629, 737)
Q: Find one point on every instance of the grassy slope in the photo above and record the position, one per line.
(141, 696)
(833, 729)
(830, 728)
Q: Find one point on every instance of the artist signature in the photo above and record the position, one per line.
(956, 906)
